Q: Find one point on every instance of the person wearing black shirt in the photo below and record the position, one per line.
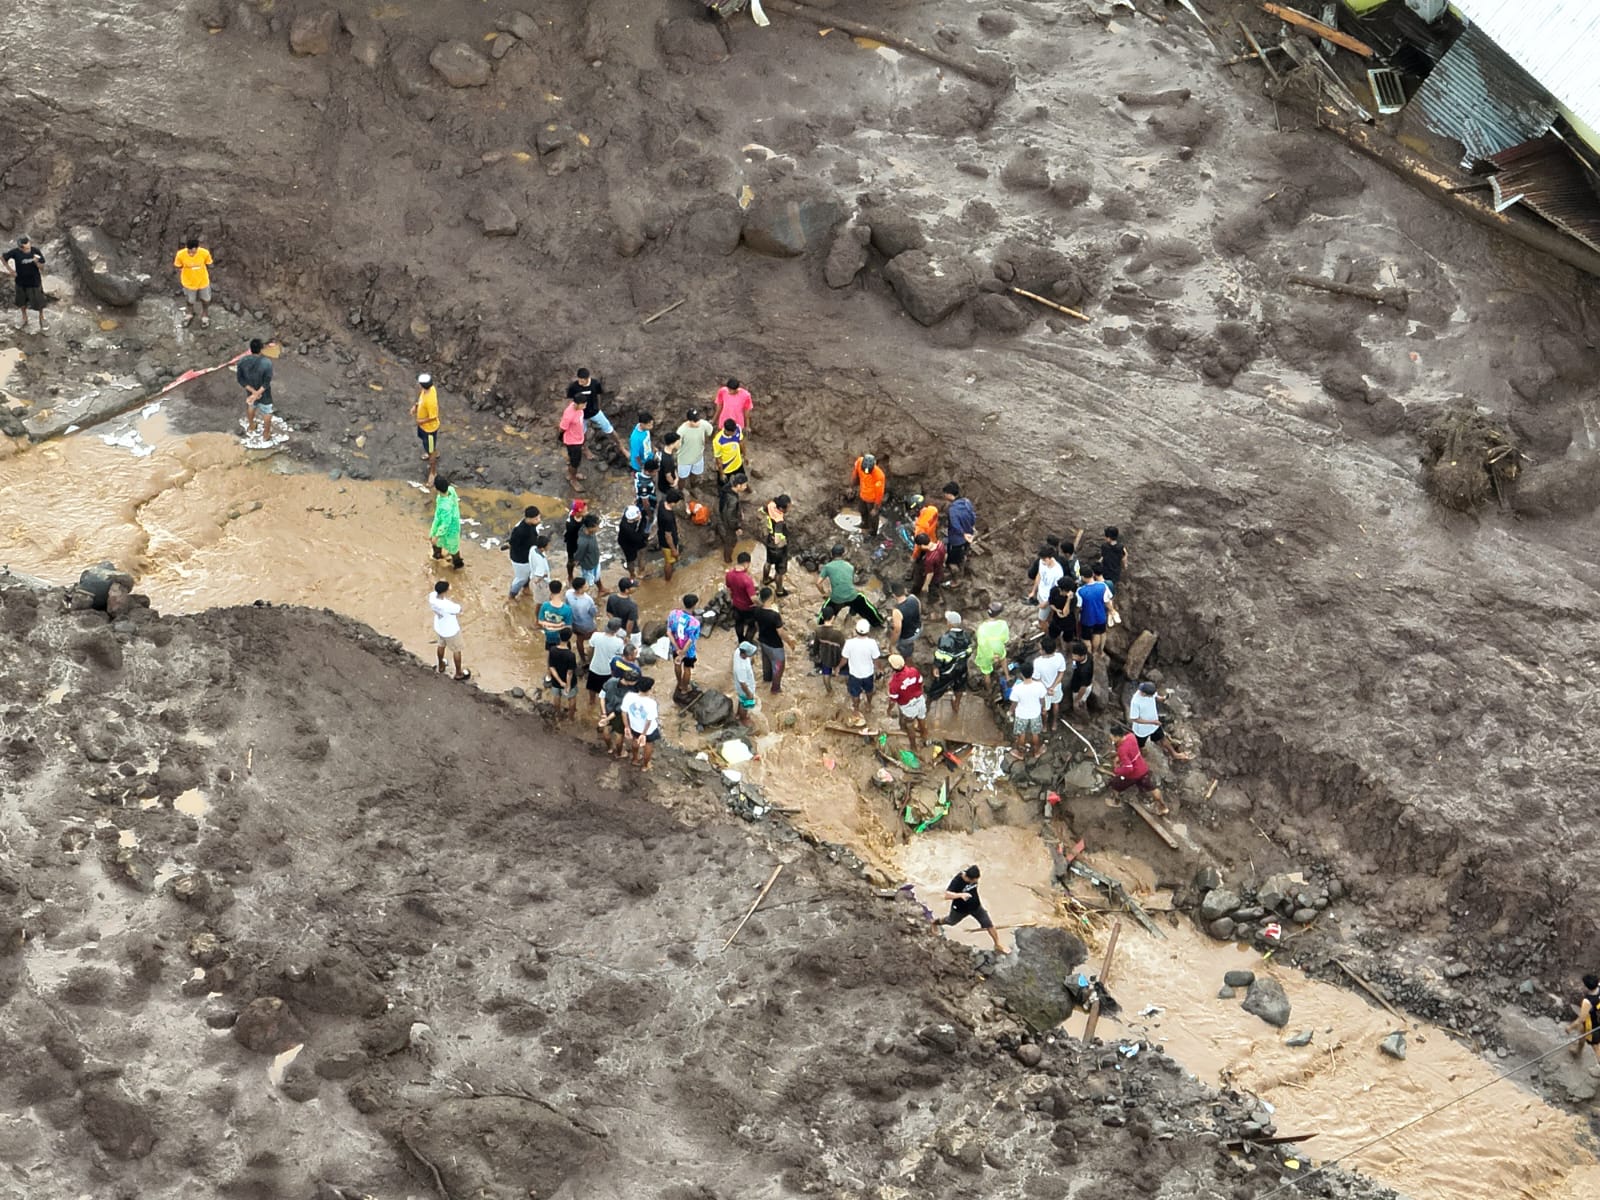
(625, 608)
(254, 375)
(667, 462)
(964, 902)
(590, 392)
(519, 541)
(570, 534)
(633, 535)
(561, 676)
(667, 531)
(1080, 676)
(23, 264)
(1113, 554)
(772, 639)
(905, 621)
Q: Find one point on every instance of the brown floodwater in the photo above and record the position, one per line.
(202, 523)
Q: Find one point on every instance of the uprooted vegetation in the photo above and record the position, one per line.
(1468, 458)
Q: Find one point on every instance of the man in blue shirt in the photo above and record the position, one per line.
(1095, 604)
(639, 447)
(961, 521)
(555, 614)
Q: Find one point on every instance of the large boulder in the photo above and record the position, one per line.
(459, 65)
(268, 1026)
(118, 1124)
(1267, 1000)
(847, 256)
(494, 215)
(786, 228)
(896, 232)
(313, 33)
(98, 583)
(931, 287)
(106, 273)
(1033, 980)
(1219, 902)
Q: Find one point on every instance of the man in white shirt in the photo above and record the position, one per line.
(860, 655)
(1146, 722)
(1051, 572)
(1027, 717)
(603, 647)
(447, 627)
(643, 719)
(1048, 669)
(744, 681)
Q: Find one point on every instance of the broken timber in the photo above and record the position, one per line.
(1061, 308)
(1327, 32)
(1395, 298)
(1117, 893)
(1375, 992)
(994, 76)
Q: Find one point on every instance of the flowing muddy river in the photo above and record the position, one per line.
(202, 524)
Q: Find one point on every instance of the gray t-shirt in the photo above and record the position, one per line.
(255, 371)
(583, 610)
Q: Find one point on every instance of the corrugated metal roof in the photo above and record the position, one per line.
(1544, 175)
(1555, 41)
(1478, 95)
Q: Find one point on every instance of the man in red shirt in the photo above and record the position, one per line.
(742, 595)
(905, 693)
(734, 404)
(1132, 771)
(927, 565)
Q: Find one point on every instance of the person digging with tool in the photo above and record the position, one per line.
(965, 902)
(836, 583)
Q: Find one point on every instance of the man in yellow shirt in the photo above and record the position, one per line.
(728, 450)
(192, 263)
(426, 414)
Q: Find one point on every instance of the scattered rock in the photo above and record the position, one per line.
(1029, 1055)
(494, 215)
(1071, 189)
(1394, 1045)
(518, 23)
(1170, 98)
(1223, 928)
(267, 1026)
(688, 43)
(1304, 916)
(105, 272)
(1000, 314)
(997, 22)
(931, 288)
(313, 33)
(1219, 902)
(781, 228)
(119, 1125)
(847, 256)
(1026, 171)
(1525, 988)
(1239, 979)
(340, 1064)
(1207, 879)
(711, 229)
(896, 232)
(1266, 999)
(1344, 381)
(300, 1082)
(1227, 993)
(1303, 1038)
(459, 65)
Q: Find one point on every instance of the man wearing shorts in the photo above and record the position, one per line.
(836, 583)
(561, 676)
(603, 647)
(667, 532)
(585, 612)
(573, 433)
(254, 374)
(772, 639)
(961, 522)
(692, 435)
(621, 605)
(588, 557)
(1146, 722)
(193, 263)
(22, 264)
(860, 655)
(1094, 610)
(1027, 717)
(683, 643)
(624, 677)
(555, 615)
(744, 682)
(964, 902)
(426, 414)
(643, 719)
(1048, 669)
(590, 393)
(447, 627)
(775, 537)
(1132, 771)
(519, 544)
(1048, 572)
(905, 621)
(906, 696)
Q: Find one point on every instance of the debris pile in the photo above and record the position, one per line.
(1467, 458)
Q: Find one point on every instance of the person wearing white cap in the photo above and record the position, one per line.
(633, 535)
(906, 695)
(860, 654)
(425, 412)
(744, 681)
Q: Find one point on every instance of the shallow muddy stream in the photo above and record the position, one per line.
(202, 524)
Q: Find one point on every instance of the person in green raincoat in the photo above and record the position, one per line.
(445, 533)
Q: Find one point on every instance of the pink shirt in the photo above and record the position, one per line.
(572, 425)
(732, 406)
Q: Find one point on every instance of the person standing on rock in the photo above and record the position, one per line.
(1027, 717)
(1132, 771)
(1048, 669)
(965, 902)
(639, 446)
(860, 656)
(23, 264)
(519, 544)
(1080, 683)
(194, 276)
(734, 404)
(667, 532)
(836, 583)
(590, 393)
(573, 433)
(907, 698)
(643, 718)
(730, 514)
(744, 682)
(1588, 1018)
(254, 375)
(683, 644)
(447, 627)
(1095, 605)
(775, 538)
(693, 435)
(425, 412)
(905, 621)
(871, 485)
(961, 522)
(927, 565)
(1146, 722)
(445, 532)
(772, 639)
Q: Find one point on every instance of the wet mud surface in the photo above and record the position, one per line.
(1382, 694)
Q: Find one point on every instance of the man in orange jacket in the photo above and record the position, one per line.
(871, 484)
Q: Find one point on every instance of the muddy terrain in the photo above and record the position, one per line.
(1385, 695)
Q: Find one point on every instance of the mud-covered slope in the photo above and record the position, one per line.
(230, 835)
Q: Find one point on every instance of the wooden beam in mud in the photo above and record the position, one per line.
(760, 896)
(1153, 821)
(994, 76)
(1327, 32)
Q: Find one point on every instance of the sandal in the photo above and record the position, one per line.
(465, 675)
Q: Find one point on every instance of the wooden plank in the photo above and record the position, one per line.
(767, 887)
(1111, 949)
(654, 317)
(1295, 17)
(1153, 821)
(996, 74)
(1261, 54)
(1374, 991)
(1062, 308)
